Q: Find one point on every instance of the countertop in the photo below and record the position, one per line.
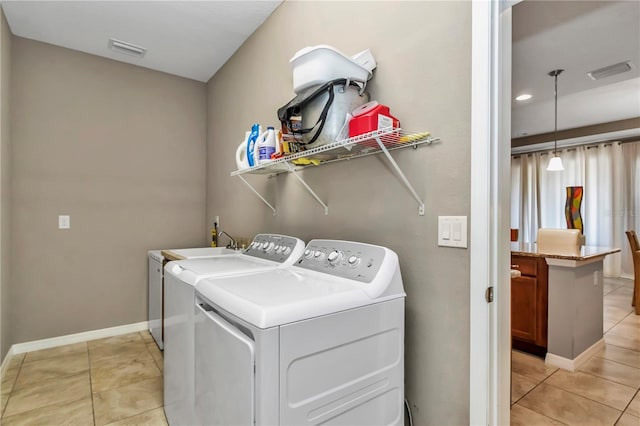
(585, 253)
(169, 255)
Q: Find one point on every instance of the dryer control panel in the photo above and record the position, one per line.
(356, 261)
(277, 248)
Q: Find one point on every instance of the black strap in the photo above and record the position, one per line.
(294, 108)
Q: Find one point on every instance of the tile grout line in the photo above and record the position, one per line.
(93, 405)
(13, 385)
(536, 385)
(152, 357)
(593, 400)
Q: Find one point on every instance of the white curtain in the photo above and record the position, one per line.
(610, 175)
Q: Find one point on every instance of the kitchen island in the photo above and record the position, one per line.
(557, 302)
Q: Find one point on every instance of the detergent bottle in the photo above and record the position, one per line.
(267, 145)
(252, 150)
(242, 161)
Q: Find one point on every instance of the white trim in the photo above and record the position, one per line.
(77, 337)
(577, 362)
(479, 241)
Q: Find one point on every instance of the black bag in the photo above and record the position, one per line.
(295, 106)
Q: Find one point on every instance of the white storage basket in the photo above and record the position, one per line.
(316, 65)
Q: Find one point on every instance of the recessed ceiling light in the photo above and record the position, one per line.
(127, 48)
(523, 97)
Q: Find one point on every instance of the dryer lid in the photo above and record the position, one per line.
(283, 296)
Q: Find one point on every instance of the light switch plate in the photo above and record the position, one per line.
(452, 231)
(64, 222)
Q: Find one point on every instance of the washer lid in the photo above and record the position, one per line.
(282, 296)
(191, 271)
(200, 252)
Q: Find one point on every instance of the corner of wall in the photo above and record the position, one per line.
(5, 182)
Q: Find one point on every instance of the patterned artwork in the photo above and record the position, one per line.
(572, 208)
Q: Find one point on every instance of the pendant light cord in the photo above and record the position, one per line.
(555, 124)
(555, 74)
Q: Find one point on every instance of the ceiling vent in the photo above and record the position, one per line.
(126, 48)
(610, 70)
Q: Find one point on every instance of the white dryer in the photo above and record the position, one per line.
(266, 252)
(321, 342)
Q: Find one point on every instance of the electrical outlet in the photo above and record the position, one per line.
(64, 222)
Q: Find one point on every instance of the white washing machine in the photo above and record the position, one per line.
(266, 252)
(156, 282)
(321, 342)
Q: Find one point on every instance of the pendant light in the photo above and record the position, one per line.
(555, 164)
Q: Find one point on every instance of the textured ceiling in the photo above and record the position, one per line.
(194, 39)
(577, 36)
(191, 39)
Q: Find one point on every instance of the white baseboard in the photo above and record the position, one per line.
(577, 362)
(85, 336)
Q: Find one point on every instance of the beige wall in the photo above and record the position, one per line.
(121, 150)
(423, 51)
(5, 182)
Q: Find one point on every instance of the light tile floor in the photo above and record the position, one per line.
(603, 392)
(118, 380)
(112, 381)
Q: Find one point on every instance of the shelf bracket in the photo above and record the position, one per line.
(293, 171)
(402, 176)
(258, 194)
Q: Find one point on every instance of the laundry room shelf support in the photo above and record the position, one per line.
(258, 194)
(311, 191)
(402, 176)
(376, 142)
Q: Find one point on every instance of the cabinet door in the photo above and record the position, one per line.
(524, 309)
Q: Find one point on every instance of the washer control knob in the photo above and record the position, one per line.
(319, 255)
(270, 247)
(308, 253)
(353, 261)
(286, 250)
(334, 257)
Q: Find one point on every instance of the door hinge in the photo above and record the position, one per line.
(488, 294)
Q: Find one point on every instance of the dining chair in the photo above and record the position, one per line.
(635, 254)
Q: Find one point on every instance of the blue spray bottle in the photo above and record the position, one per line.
(251, 144)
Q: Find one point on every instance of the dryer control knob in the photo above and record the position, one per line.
(334, 257)
(353, 261)
(319, 255)
(286, 250)
(308, 254)
(270, 247)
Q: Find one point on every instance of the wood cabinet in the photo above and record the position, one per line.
(529, 304)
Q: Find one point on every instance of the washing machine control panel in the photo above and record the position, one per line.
(357, 261)
(277, 248)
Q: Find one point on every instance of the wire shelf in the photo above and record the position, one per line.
(376, 142)
(347, 149)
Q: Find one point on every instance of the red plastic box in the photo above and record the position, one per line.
(369, 117)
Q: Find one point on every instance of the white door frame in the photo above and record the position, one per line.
(490, 323)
